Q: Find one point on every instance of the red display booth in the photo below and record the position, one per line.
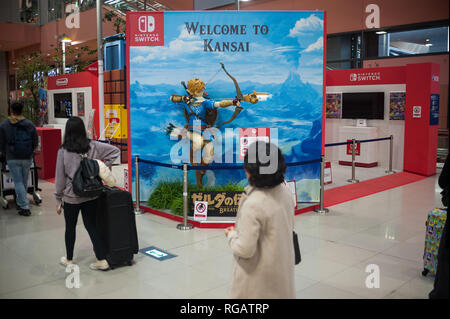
(46, 154)
(415, 137)
(74, 95)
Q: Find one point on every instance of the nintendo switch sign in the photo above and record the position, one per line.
(147, 29)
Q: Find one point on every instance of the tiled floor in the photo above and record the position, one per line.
(385, 229)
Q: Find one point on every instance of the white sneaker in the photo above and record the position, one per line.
(63, 261)
(100, 265)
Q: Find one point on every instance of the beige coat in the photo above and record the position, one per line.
(262, 245)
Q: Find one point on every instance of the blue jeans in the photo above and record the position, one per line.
(19, 170)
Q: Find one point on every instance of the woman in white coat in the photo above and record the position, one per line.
(262, 241)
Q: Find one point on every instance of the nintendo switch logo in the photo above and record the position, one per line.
(62, 82)
(353, 77)
(146, 29)
(146, 24)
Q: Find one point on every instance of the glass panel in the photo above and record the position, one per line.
(55, 9)
(411, 42)
(29, 11)
(63, 105)
(339, 65)
(339, 47)
(80, 103)
(86, 4)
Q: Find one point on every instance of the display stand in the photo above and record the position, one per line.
(366, 153)
(47, 151)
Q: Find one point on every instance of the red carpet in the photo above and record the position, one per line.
(349, 192)
(50, 180)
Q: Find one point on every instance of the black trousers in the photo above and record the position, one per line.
(89, 214)
(441, 283)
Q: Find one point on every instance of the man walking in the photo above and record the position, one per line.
(18, 140)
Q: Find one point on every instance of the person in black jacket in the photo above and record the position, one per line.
(441, 283)
(18, 140)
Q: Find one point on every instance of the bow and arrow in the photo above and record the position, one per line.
(251, 97)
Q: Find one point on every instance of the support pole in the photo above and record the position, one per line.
(353, 179)
(185, 225)
(137, 209)
(101, 98)
(63, 45)
(321, 209)
(391, 153)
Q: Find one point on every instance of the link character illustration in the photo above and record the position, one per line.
(199, 107)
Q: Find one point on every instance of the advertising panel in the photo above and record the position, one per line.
(204, 85)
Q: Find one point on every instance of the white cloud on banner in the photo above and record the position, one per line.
(282, 49)
(318, 45)
(305, 26)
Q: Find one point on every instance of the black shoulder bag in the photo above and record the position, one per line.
(298, 256)
(86, 181)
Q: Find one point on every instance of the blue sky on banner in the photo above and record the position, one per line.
(294, 43)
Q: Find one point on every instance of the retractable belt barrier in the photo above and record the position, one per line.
(111, 142)
(355, 141)
(358, 141)
(216, 167)
(185, 168)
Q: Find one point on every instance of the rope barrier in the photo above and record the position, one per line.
(358, 141)
(217, 167)
(113, 143)
(326, 145)
(160, 164)
(337, 144)
(374, 140)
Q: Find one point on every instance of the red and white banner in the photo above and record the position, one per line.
(146, 29)
(69, 81)
(357, 148)
(200, 211)
(93, 68)
(248, 136)
(369, 76)
(327, 176)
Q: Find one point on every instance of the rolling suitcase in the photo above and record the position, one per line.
(434, 226)
(116, 224)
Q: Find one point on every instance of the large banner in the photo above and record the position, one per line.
(204, 85)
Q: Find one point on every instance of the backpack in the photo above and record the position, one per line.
(86, 181)
(21, 144)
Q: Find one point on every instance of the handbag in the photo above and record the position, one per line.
(105, 174)
(86, 181)
(298, 256)
(444, 197)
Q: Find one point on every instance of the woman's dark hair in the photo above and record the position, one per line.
(75, 138)
(265, 164)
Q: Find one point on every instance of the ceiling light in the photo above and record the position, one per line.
(428, 44)
(381, 32)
